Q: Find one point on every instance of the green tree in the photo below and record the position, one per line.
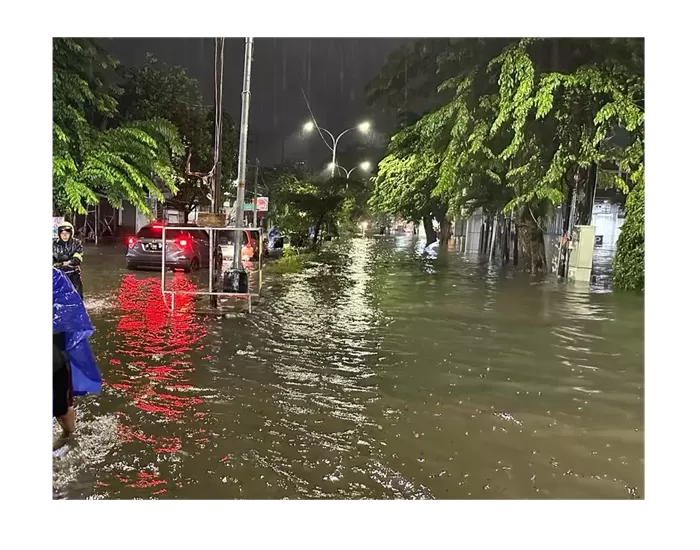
(406, 182)
(301, 201)
(628, 265)
(91, 152)
(521, 126)
(155, 89)
(565, 100)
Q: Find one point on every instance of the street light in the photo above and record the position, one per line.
(366, 166)
(363, 127)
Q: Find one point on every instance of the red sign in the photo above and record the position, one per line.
(262, 204)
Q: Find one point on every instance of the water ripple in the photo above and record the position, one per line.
(376, 373)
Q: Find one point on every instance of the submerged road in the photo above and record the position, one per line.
(376, 373)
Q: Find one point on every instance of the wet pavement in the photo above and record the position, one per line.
(376, 373)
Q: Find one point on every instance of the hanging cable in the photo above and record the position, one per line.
(218, 97)
(313, 119)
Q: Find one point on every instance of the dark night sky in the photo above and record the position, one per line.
(332, 71)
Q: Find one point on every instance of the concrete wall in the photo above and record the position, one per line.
(128, 219)
(552, 237)
(607, 222)
(606, 219)
(468, 233)
(141, 220)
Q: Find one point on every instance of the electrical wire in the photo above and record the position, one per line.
(313, 119)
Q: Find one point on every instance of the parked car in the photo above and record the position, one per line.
(186, 249)
(226, 242)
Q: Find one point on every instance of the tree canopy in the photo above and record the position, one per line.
(516, 125)
(300, 201)
(156, 89)
(93, 152)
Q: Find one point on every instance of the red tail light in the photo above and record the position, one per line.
(132, 240)
(183, 242)
(157, 226)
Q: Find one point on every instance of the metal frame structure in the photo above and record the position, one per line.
(211, 292)
(97, 222)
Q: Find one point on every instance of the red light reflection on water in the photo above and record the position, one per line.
(153, 370)
(147, 324)
(162, 444)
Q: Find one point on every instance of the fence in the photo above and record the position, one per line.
(212, 290)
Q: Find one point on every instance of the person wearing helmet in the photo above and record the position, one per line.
(68, 255)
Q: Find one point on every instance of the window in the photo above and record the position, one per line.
(226, 238)
(150, 232)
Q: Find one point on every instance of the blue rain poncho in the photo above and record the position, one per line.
(71, 317)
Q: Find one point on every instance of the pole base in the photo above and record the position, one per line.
(235, 281)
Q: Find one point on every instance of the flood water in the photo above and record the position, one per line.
(376, 373)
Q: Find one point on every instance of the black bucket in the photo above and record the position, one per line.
(236, 281)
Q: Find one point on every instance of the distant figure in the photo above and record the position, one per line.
(68, 255)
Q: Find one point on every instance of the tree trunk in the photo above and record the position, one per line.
(487, 236)
(531, 243)
(515, 245)
(585, 208)
(317, 229)
(445, 226)
(430, 236)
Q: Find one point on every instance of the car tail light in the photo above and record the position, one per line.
(132, 241)
(157, 226)
(183, 242)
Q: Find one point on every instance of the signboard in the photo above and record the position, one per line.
(262, 204)
(56, 222)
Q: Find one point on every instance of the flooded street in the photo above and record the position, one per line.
(376, 373)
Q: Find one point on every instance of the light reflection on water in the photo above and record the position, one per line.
(378, 373)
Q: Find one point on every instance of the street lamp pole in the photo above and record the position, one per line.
(363, 166)
(242, 150)
(363, 127)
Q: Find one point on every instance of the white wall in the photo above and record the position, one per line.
(473, 233)
(141, 220)
(607, 224)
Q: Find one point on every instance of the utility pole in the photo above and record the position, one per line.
(255, 194)
(218, 77)
(216, 196)
(242, 150)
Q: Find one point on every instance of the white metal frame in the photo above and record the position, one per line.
(210, 231)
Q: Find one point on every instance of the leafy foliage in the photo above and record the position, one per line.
(300, 201)
(407, 178)
(628, 265)
(564, 101)
(516, 124)
(155, 89)
(292, 261)
(92, 154)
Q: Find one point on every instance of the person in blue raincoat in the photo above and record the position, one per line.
(75, 371)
